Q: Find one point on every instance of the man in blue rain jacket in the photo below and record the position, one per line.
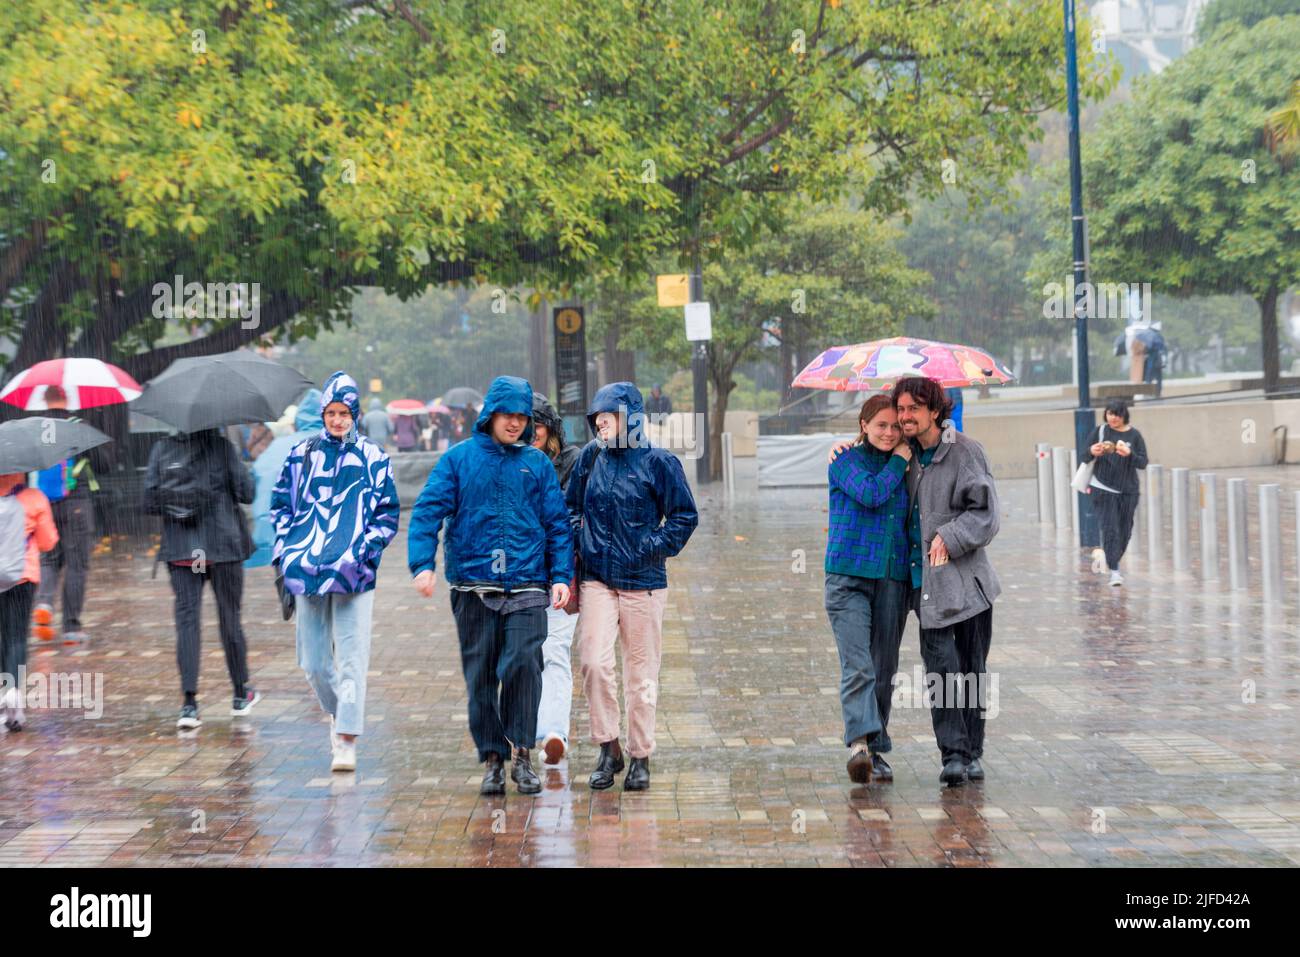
(509, 553)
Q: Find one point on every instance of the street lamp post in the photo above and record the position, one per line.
(1089, 534)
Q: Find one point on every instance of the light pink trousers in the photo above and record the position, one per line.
(635, 619)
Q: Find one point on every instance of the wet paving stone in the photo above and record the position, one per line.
(1154, 724)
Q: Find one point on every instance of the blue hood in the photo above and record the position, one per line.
(507, 393)
(341, 387)
(309, 418)
(622, 397)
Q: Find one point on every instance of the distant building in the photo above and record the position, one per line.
(1145, 35)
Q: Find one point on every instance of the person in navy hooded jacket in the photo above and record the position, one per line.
(509, 554)
(631, 508)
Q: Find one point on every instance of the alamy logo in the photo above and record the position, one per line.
(215, 300)
(102, 910)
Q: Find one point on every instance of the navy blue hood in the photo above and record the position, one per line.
(507, 393)
(624, 398)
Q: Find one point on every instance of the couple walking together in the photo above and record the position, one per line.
(912, 509)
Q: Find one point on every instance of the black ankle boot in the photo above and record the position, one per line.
(638, 775)
(522, 773)
(610, 764)
(494, 775)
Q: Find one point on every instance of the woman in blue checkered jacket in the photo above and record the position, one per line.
(867, 580)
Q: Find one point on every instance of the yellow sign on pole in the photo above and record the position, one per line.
(376, 385)
(674, 290)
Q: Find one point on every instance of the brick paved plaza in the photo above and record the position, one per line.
(1122, 737)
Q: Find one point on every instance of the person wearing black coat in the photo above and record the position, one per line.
(1119, 452)
(196, 483)
(555, 708)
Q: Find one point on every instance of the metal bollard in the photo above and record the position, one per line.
(1137, 542)
(1178, 518)
(1060, 487)
(1238, 566)
(1270, 550)
(729, 462)
(1074, 497)
(1155, 512)
(1043, 451)
(1209, 527)
(1297, 530)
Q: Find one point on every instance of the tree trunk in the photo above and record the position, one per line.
(1268, 340)
(718, 422)
(786, 376)
(539, 365)
(620, 364)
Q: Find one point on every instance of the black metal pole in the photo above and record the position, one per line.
(1084, 419)
(700, 375)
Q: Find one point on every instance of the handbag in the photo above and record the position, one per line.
(287, 604)
(1082, 480)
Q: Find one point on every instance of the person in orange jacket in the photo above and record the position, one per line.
(16, 599)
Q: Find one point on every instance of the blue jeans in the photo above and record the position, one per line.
(867, 616)
(334, 649)
(501, 656)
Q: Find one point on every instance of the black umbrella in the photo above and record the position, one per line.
(211, 391)
(37, 442)
(462, 397)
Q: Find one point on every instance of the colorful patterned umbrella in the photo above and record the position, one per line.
(878, 365)
(87, 382)
(405, 407)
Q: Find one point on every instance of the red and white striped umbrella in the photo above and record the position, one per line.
(406, 407)
(88, 383)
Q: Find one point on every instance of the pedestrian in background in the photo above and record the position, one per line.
(377, 426)
(1119, 451)
(335, 510)
(631, 509)
(196, 483)
(509, 554)
(27, 531)
(67, 486)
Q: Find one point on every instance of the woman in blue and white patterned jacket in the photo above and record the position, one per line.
(335, 510)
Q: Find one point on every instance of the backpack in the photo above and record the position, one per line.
(183, 485)
(53, 481)
(13, 542)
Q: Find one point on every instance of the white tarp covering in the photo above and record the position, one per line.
(785, 460)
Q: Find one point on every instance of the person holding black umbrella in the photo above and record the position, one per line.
(27, 528)
(196, 483)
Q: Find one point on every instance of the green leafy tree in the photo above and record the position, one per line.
(1243, 14)
(836, 275)
(976, 260)
(1181, 188)
(318, 146)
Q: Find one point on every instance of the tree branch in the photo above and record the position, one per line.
(403, 10)
(280, 310)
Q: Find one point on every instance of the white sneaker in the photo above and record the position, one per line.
(345, 756)
(553, 747)
(1116, 578)
(1098, 560)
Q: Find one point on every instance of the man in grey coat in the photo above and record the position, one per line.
(952, 517)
